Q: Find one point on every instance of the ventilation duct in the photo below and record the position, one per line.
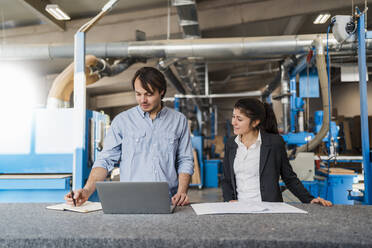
(323, 80)
(62, 87)
(197, 49)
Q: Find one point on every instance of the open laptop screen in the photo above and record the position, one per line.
(134, 197)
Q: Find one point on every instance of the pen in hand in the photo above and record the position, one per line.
(72, 196)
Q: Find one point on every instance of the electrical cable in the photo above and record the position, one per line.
(329, 104)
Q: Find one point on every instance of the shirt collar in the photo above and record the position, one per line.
(160, 115)
(258, 141)
(141, 112)
(162, 112)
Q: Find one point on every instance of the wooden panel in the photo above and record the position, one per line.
(195, 179)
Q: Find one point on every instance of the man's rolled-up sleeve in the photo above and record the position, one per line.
(111, 152)
(184, 157)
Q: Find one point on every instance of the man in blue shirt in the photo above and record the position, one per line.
(150, 141)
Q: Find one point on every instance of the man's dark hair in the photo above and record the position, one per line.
(153, 77)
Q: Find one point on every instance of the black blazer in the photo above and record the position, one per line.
(273, 163)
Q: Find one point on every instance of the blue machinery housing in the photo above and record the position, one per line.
(43, 174)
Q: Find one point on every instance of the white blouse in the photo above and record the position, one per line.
(246, 168)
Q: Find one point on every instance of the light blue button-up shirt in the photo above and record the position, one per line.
(148, 150)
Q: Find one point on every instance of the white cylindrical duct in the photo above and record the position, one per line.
(206, 49)
(53, 103)
(301, 121)
(285, 97)
(228, 95)
(206, 80)
(255, 93)
(215, 110)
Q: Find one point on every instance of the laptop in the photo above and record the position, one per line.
(134, 197)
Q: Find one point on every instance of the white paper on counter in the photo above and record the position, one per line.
(244, 208)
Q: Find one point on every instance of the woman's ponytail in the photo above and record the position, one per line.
(269, 124)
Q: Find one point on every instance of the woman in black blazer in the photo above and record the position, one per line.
(256, 158)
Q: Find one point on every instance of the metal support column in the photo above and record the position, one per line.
(364, 110)
(80, 97)
(79, 109)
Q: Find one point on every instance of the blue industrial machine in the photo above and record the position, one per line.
(330, 187)
(308, 88)
(209, 169)
(318, 120)
(297, 139)
(212, 166)
(334, 187)
(40, 167)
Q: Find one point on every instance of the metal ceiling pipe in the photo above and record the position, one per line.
(188, 79)
(105, 69)
(285, 93)
(228, 95)
(174, 80)
(186, 76)
(165, 68)
(204, 49)
(206, 80)
(269, 88)
(284, 79)
(217, 49)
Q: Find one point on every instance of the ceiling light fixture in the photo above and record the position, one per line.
(322, 18)
(56, 12)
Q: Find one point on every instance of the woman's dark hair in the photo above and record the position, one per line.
(153, 77)
(257, 110)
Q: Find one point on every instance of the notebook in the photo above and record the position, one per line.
(85, 208)
(134, 197)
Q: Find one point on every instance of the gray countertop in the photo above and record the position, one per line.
(32, 225)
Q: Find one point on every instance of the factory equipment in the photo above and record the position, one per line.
(308, 88)
(324, 130)
(304, 166)
(333, 142)
(209, 168)
(344, 28)
(39, 168)
(333, 185)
